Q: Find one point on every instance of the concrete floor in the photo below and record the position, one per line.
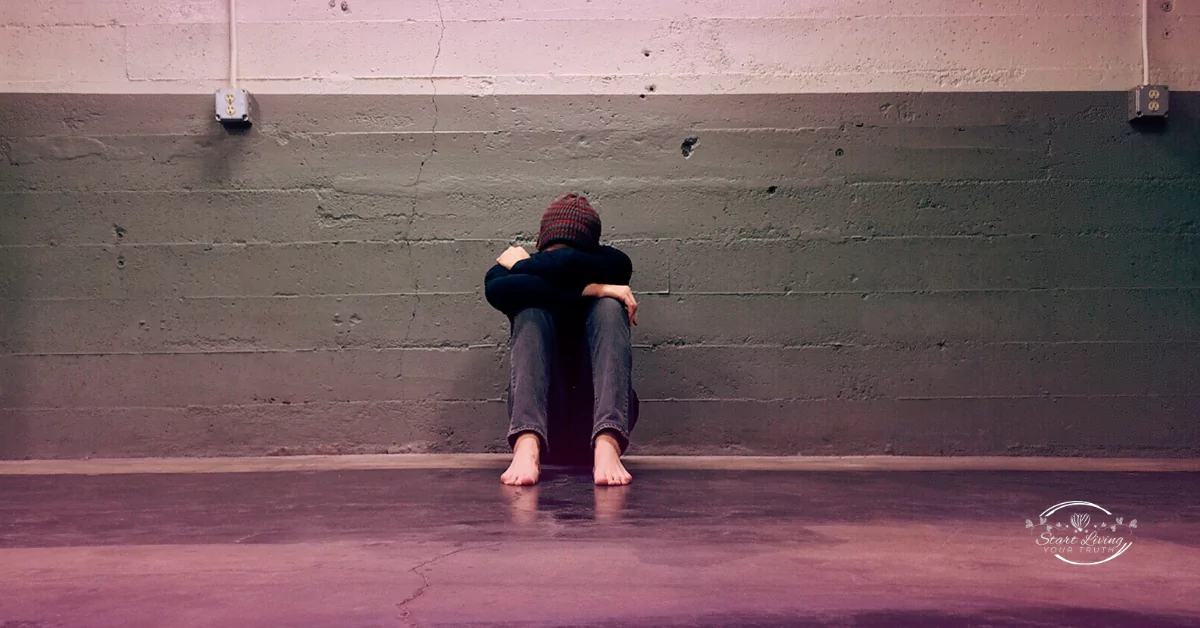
(414, 546)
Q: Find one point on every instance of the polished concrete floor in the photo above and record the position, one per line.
(679, 547)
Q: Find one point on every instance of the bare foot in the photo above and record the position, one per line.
(525, 463)
(607, 469)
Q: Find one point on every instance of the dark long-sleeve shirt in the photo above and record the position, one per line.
(555, 279)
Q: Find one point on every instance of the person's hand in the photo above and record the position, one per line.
(511, 256)
(624, 295)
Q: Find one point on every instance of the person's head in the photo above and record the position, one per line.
(571, 221)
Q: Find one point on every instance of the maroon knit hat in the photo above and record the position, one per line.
(572, 220)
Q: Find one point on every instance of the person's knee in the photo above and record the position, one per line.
(608, 310)
(537, 317)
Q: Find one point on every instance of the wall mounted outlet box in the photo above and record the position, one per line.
(1148, 101)
(233, 107)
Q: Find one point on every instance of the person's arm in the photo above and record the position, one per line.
(609, 265)
(549, 265)
(512, 292)
(567, 266)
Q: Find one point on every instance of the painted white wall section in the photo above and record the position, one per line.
(594, 47)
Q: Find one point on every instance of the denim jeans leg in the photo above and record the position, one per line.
(533, 362)
(610, 346)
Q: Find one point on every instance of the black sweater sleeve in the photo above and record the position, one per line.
(554, 279)
(569, 266)
(512, 292)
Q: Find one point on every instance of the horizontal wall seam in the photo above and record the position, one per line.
(616, 133)
(668, 19)
(662, 293)
(647, 182)
(750, 346)
(436, 402)
(838, 239)
(807, 184)
(787, 293)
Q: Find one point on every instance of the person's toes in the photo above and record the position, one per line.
(514, 477)
(622, 476)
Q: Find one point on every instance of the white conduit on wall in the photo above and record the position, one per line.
(233, 44)
(1145, 42)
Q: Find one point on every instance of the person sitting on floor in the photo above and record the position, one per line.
(571, 278)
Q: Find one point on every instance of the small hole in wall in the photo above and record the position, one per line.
(645, 53)
(689, 145)
(651, 88)
(773, 189)
(641, 95)
(121, 261)
(839, 152)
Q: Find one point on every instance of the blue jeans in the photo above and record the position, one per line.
(541, 340)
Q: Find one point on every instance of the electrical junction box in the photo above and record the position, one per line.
(1148, 101)
(233, 107)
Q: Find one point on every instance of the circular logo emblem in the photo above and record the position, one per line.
(1081, 533)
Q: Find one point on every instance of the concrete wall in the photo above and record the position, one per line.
(913, 228)
(522, 47)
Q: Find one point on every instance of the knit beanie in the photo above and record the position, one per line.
(572, 220)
